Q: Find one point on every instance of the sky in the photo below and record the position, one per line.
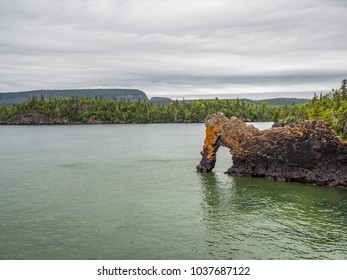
(175, 48)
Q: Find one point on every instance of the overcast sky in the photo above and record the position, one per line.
(174, 48)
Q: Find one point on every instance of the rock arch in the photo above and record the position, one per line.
(309, 152)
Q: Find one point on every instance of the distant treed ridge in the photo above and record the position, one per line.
(11, 98)
(331, 107)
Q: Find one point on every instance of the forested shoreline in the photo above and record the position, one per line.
(331, 107)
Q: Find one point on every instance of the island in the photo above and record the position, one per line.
(308, 152)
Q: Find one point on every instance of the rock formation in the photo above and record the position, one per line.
(309, 152)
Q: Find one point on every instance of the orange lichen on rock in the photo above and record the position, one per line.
(214, 126)
(210, 140)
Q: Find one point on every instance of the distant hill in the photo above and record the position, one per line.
(160, 100)
(280, 101)
(272, 101)
(10, 98)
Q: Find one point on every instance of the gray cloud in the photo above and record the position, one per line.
(173, 48)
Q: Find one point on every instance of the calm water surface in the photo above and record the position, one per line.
(131, 192)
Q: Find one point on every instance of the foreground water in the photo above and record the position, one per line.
(131, 192)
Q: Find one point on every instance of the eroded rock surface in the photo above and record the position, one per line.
(309, 152)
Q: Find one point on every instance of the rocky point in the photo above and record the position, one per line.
(308, 152)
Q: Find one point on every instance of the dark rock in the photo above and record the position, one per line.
(308, 152)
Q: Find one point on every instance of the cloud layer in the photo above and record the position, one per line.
(173, 47)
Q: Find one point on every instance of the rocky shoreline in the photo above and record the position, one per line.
(39, 119)
(308, 152)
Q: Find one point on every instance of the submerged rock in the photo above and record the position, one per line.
(309, 152)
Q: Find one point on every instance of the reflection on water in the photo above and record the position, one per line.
(249, 218)
(209, 188)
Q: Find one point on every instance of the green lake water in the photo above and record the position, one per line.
(132, 192)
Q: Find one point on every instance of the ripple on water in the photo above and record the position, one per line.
(132, 192)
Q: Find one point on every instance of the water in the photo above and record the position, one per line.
(131, 192)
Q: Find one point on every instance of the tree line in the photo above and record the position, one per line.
(331, 107)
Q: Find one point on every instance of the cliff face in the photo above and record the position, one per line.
(309, 152)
